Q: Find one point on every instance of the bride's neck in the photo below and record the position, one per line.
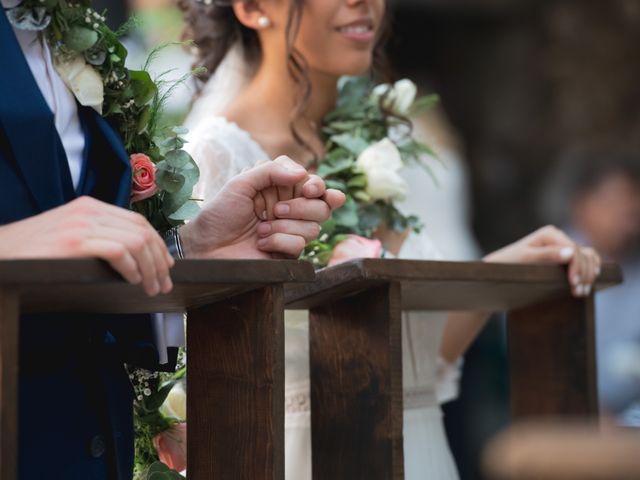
(278, 96)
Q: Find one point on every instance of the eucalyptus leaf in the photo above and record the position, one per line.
(178, 159)
(188, 211)
(80, 39)
(169, 181)
(180, 130)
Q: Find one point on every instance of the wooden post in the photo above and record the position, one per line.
(8, 384)
(552, 359)
(356, 386)
(236, 388)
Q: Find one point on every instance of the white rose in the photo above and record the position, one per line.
(175, 405)
(397, 98)
(83, 80)
(380, 163)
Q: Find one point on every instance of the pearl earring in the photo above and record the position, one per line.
(264, 22)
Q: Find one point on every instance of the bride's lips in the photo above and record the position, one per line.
(360, 31)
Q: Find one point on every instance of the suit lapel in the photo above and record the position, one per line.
(107, 174)
(29, 124)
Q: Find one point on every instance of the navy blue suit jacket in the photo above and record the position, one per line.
(75, 399)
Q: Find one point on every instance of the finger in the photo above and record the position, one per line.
(334, 198)
(579, 276)
(303, 209)
(116, 255)
(549, 254)
(314, 187)
(260, 206)
(137, 244)
(133, 228)
(291, 246)
(307, 230)
(158, 251)
(271, 199)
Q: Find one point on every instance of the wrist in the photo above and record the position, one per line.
(194, 243)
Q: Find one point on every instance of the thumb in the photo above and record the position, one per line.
(272, 174)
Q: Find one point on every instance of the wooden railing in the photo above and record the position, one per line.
(236, 349)
(235, 334)
(355, 349)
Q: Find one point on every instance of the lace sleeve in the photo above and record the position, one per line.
(222, 151)
(216, 163)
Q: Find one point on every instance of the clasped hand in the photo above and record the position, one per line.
(273, 209)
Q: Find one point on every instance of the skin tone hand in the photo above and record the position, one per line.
(546, 245)
(232, 225)
(551, 245)
(87, 228)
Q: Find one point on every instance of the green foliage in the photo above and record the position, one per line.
(357, 123)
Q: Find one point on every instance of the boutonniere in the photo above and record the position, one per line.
(90, 59)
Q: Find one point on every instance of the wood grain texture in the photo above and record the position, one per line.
(552, 359)
(236, 388)
(356, 387)
(8, 384)
(90, 286)
(444, 285)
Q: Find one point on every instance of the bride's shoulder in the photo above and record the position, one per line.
(219, 135)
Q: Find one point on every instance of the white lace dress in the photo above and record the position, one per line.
(223, 150)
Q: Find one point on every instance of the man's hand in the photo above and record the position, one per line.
(274, 209)
(89, 228)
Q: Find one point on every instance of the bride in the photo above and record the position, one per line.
(273, 67)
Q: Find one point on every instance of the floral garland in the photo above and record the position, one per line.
(368, 140)
(160, 415)
(90, 59)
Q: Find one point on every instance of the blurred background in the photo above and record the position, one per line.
(539, 123)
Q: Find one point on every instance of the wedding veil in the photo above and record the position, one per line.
(233, 74)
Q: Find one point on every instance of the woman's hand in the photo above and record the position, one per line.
(551, 245)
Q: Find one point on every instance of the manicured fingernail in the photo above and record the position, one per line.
(576, 280)
(566, 253)
(264, 228)
(262, 243)
(313, 190)
(282, 209)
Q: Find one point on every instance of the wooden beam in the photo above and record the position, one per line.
(236, 388)
(356, 387)
(8, 384)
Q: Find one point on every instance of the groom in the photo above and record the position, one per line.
(64, 187)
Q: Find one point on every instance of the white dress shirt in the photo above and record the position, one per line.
(60, 100)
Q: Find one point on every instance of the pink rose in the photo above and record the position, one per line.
(144, 177)
(171, 446)
(355, 246)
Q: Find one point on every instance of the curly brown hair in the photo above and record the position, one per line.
(214, 28)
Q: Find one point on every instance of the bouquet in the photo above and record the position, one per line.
(368, 141)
